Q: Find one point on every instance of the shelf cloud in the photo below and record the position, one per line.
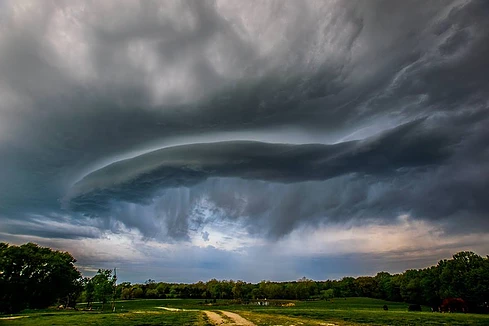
(237, 125)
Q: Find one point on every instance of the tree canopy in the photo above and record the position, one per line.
(36, 277)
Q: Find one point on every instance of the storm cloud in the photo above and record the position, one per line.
(189, 121)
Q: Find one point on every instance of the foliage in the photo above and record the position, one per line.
(465, 276)
(36, 277)
(100, 287)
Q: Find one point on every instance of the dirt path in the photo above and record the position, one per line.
(176, 309)
(170, 309)
(13, 317)
(235, 319)
(215, 318)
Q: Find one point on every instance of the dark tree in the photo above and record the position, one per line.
(36, 277)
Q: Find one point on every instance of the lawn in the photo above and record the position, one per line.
(349, 311)
(365, 311)
(135, 312)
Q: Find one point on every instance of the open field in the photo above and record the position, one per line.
(349, 311)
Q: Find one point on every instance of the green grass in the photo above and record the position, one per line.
(365, 311)
(137, 312)
(352, 311)
(145, 318)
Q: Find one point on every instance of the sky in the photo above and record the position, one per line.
(254, 140)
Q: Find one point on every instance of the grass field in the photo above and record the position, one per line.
(349, 311)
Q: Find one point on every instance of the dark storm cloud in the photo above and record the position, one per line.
(409, 169)
(138, 179)
(84, 86)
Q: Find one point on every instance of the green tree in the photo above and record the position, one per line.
(411, 290)
(384, 285)
(137, 292)
(465, 276)
(162, 289)
(89, 291)
(430, 286)
(327, 294)
(121, 287)
(345, 287)
(238, 290)
(366, 286)
(36, 277)
(215, 289)
(104, 285)
(126, 293)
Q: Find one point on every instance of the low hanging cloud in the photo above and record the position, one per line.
(403, 170)
(139, 178)
(187, 121)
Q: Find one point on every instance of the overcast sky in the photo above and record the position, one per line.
(187, 140)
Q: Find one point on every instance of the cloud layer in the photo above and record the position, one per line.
(200, 120)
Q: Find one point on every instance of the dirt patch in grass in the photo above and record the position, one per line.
(13, 317)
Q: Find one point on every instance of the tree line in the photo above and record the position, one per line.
(35, 277)
(464, 276)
